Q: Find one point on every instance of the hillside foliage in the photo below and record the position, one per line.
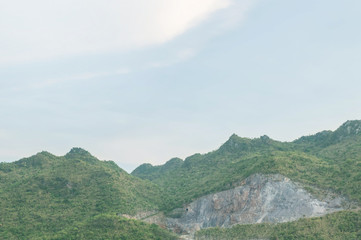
(336, 226)
(45, 194)
(327, 160)
(77, 196)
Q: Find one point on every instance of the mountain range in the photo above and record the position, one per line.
(246, 189)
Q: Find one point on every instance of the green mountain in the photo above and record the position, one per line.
(328, 160)
(77, 196)
(44, 195)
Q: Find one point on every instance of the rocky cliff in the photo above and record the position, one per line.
(259, 198)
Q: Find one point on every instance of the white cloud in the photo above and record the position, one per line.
(77, 77)
(42, 29)
(67, 79)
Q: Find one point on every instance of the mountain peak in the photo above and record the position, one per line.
(233, 138)
(172, 164)
(236, 143)
(78, 152)
(44, 153)
(351, 127)
(325, 138)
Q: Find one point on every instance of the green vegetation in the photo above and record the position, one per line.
(113, 227)
(336, 226)
(79, 197)
(328, 160)
(45, 194)
(99, 227)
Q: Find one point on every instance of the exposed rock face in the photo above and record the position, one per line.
(260, 198)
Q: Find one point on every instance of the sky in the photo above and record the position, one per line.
(147, 80)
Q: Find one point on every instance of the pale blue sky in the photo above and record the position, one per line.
(173, 78)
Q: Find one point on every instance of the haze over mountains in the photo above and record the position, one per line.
(76, 196)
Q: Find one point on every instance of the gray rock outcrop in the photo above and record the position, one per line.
(258, 199)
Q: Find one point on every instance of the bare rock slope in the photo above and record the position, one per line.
(259, 198)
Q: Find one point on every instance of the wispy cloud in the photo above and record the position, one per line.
(41, 29)
(70, 79)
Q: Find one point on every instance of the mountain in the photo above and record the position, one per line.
(325, 164)
(257, 188)
(44, 195)
(199, 174)
(347, 132)
(329, 160)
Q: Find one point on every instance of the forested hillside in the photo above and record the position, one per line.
(327, 160)
(44, 195)
(336, 226)
(77, 196)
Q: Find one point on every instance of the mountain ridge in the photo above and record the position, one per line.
(50, 197)
(306, 161)
(45, 194)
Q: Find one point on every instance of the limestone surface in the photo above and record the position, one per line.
(259, 198)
